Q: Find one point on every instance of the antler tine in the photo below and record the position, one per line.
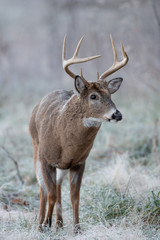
(84, 80)
(114, 50)
(116, 64)
(78, 47)
(123, 51)
(74, 59)
(97, 76)
(64, 49)
(81, 73)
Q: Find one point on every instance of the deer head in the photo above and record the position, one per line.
(96, 96)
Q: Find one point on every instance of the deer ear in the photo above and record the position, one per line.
(114, 84)
(79, 84)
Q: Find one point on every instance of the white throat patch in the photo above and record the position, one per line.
(92, 122)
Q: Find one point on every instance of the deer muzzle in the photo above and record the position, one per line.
(117, 116)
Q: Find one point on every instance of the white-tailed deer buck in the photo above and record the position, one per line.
(63, 127)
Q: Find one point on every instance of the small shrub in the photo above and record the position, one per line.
(106, 204)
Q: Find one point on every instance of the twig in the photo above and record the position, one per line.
(15, 163)
(155, 7)
(155, 141)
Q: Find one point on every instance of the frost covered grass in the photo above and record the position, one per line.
(120, 193)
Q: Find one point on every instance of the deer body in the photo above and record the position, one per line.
(58, 120)
(63, 127)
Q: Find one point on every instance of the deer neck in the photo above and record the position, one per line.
(78, 118)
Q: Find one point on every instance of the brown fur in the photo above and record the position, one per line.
(61, 140)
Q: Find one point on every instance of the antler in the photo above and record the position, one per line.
(74, 59)
(116, 64)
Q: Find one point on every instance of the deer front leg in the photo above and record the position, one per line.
(59, 219)
(60, 175)
(76, 174)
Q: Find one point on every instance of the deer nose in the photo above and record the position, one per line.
(117, 116)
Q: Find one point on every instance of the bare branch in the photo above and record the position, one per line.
(15, 163)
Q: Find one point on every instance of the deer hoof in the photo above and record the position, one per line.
(77, 229)
(59, 224)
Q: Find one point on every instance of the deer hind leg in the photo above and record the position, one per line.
(49, 174)
(60, 176)
(42, 210)
(76, 174)
(42, 193)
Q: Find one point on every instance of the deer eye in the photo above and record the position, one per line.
(94, 97)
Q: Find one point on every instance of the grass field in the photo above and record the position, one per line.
(120, 193)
